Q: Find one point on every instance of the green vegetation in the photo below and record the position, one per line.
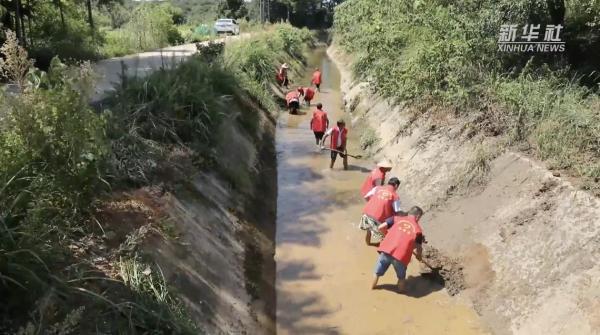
(60, 160)
(368, 138)
(148, 27)
(446, 54)
(477, 168)
(88, 29)
(76, 30)
(252, 59)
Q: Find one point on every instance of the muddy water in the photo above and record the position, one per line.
(324, 269)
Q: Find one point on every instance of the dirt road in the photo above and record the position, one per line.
(324, 269)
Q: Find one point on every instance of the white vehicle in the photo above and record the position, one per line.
(227, 26)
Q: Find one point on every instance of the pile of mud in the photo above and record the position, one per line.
(444, 270)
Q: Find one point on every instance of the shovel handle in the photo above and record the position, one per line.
(343, 153)
(423, 261)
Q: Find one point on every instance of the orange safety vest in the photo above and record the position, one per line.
(316, 77)
(334, 137)
(291, 97)
(308, 93)
(319, 121)
(368, 184)
(399, 241)
(381, 205)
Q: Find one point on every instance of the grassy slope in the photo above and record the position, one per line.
(58, 265)
(434, 54)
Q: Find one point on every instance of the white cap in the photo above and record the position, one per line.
(385, 164)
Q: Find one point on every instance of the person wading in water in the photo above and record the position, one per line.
(316, 79)
(337, 144)
(319, 123)
(376, 177)
(403, 235)
(382, 203)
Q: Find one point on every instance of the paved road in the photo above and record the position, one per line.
(143, 63)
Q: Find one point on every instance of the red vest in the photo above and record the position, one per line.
(292, 96)
(381, 205)
(319, 121)
(368, 184)
(334, 137)
(308, 93)
(399, 241)
(316, 77)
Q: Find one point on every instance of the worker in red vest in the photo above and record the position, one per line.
(339, 136)
(292, 100)
(375, 177)
(319, 123)
(316, 79)
(382, 203)
(282, 75)
(403, 234)
(308, 94)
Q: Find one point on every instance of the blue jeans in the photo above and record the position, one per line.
(383, 263)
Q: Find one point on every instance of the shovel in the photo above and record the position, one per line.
(339, 152)
(435, 274)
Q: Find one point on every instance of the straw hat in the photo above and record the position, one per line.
(385, 164)
(285, 66)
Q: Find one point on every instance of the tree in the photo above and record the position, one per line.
(88, 4)
(58, 4)
(233, 9)
(15, 63)
(556, 9)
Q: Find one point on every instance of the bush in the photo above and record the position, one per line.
(191, 34)
(180, 106)
(52, 156)
(53, 164)
(151, 26)
(368, 139)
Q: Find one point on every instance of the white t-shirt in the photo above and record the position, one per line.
(339, 139)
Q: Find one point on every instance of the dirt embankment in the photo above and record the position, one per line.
(212, 232)
(523, 242)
